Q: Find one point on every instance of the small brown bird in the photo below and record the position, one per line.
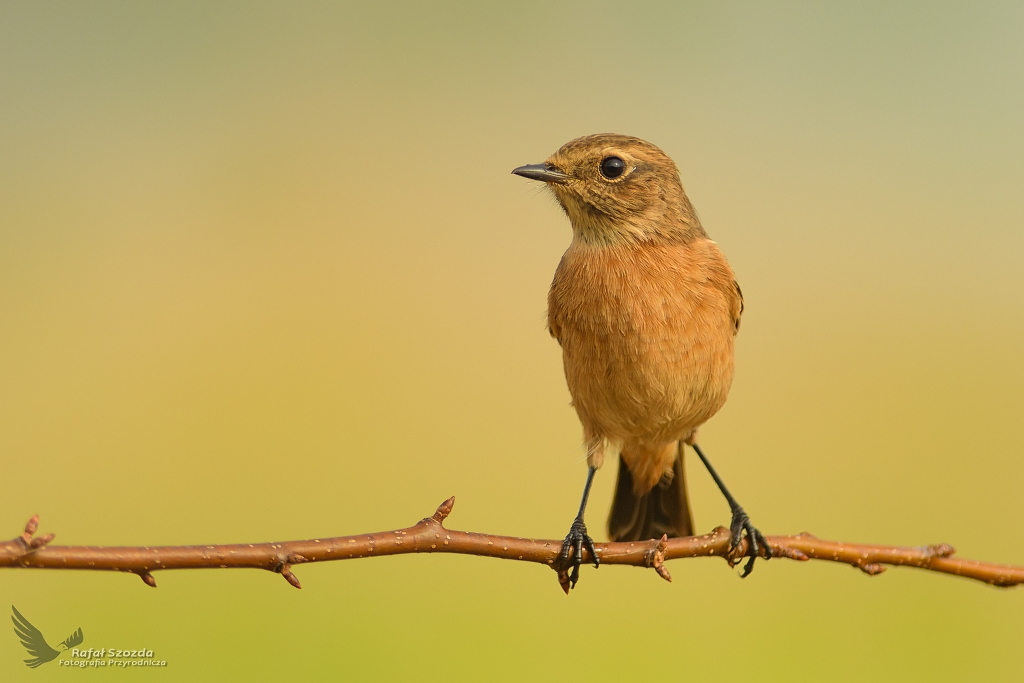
(645, 307)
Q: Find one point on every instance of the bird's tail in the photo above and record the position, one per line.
(663, 510)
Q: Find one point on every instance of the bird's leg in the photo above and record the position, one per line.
(740, 521)
(578, 537)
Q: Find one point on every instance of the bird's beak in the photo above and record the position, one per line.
(545, 172)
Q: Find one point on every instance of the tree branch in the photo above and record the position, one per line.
(430, 536)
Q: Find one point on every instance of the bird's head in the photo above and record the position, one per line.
(617, 189)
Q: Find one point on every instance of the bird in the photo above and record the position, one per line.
(646, 308)
(33, 641)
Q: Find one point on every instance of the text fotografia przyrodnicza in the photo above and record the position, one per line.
(97, 657)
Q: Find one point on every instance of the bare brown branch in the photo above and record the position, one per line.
(431, 536)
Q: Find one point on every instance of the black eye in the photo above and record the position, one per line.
(612, 167)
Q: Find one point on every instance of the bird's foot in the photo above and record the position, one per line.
(574, 543)
(755, 539)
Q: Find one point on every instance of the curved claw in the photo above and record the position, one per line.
(589, 543)
(755, 539)
(574, 542)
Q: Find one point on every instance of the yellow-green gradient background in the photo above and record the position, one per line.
(264, 275)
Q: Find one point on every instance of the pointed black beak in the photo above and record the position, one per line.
(545, 172)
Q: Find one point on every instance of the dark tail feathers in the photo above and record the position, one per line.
(663, 510)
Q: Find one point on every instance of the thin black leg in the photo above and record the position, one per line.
(740, 521)
(578, 537)
(586, 491)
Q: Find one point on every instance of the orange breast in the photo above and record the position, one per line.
(647, 337)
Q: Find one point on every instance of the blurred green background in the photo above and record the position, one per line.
(264, 275)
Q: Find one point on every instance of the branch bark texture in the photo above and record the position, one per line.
(431, 536)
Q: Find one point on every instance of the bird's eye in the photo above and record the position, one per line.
(612, 167)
